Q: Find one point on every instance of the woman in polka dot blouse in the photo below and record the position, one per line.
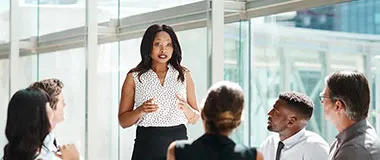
(158, 95)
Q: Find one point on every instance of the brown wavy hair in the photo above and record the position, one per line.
(53, 87)
(223, 107)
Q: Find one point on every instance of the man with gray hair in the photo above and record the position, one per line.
(345, 100)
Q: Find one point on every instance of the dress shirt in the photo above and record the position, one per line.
(48, 149)
(304, 145)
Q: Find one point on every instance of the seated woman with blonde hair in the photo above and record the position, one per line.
(221, 114)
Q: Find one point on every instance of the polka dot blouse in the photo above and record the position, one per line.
(150, 86)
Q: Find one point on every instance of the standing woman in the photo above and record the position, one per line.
(158, 95)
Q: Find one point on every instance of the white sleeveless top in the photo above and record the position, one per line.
(150, 86)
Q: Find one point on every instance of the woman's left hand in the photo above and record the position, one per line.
(191, 114)
(182, 104)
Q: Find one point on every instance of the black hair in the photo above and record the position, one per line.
(27, 124)
(299, 102)
(146, 49)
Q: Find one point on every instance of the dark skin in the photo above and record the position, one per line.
(284, 120)
(162, 51)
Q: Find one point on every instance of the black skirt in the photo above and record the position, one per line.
(152, 143)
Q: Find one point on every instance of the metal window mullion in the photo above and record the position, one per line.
(285, 70)
(215, 37)
(377, 90)
(14, 37)
(91, 55)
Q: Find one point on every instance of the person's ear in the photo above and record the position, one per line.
(291, 121)
(339, 105)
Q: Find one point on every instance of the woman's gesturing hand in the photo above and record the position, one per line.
(148, 106)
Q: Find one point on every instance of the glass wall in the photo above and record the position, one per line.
(296, 50)
(105, 125)
(4, 97)
(265, 55)
(134, 7)
(112, 9)
(4, 69)
(236, 64)
(68, 66)
(29, 16)
(4, 21)
(59, 17)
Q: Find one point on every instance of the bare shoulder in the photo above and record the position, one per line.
(130, 75)
(185, 68)
(129, 79)
(186, 71)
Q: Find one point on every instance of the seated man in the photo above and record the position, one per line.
(53, 87)
(345, 102)
(288, 118)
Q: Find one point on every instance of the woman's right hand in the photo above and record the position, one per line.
(68, 152)
(148, 106)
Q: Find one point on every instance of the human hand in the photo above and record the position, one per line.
(182, 104)
(148, 106)
(68, 152)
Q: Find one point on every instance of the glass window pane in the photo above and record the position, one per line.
(298, 49)
(4, 70)
(133, 7)
(69, 67)
(103, 119)
(28, 70)
(235, 63)
(60, 15)
(129, 58)
(4, 21)
(49, 16)
(109, 9)
(194, 56)
(4, 99)
(28, 17)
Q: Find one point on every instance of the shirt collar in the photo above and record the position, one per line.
(292, 140)
(49, 142)
(352, 131)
